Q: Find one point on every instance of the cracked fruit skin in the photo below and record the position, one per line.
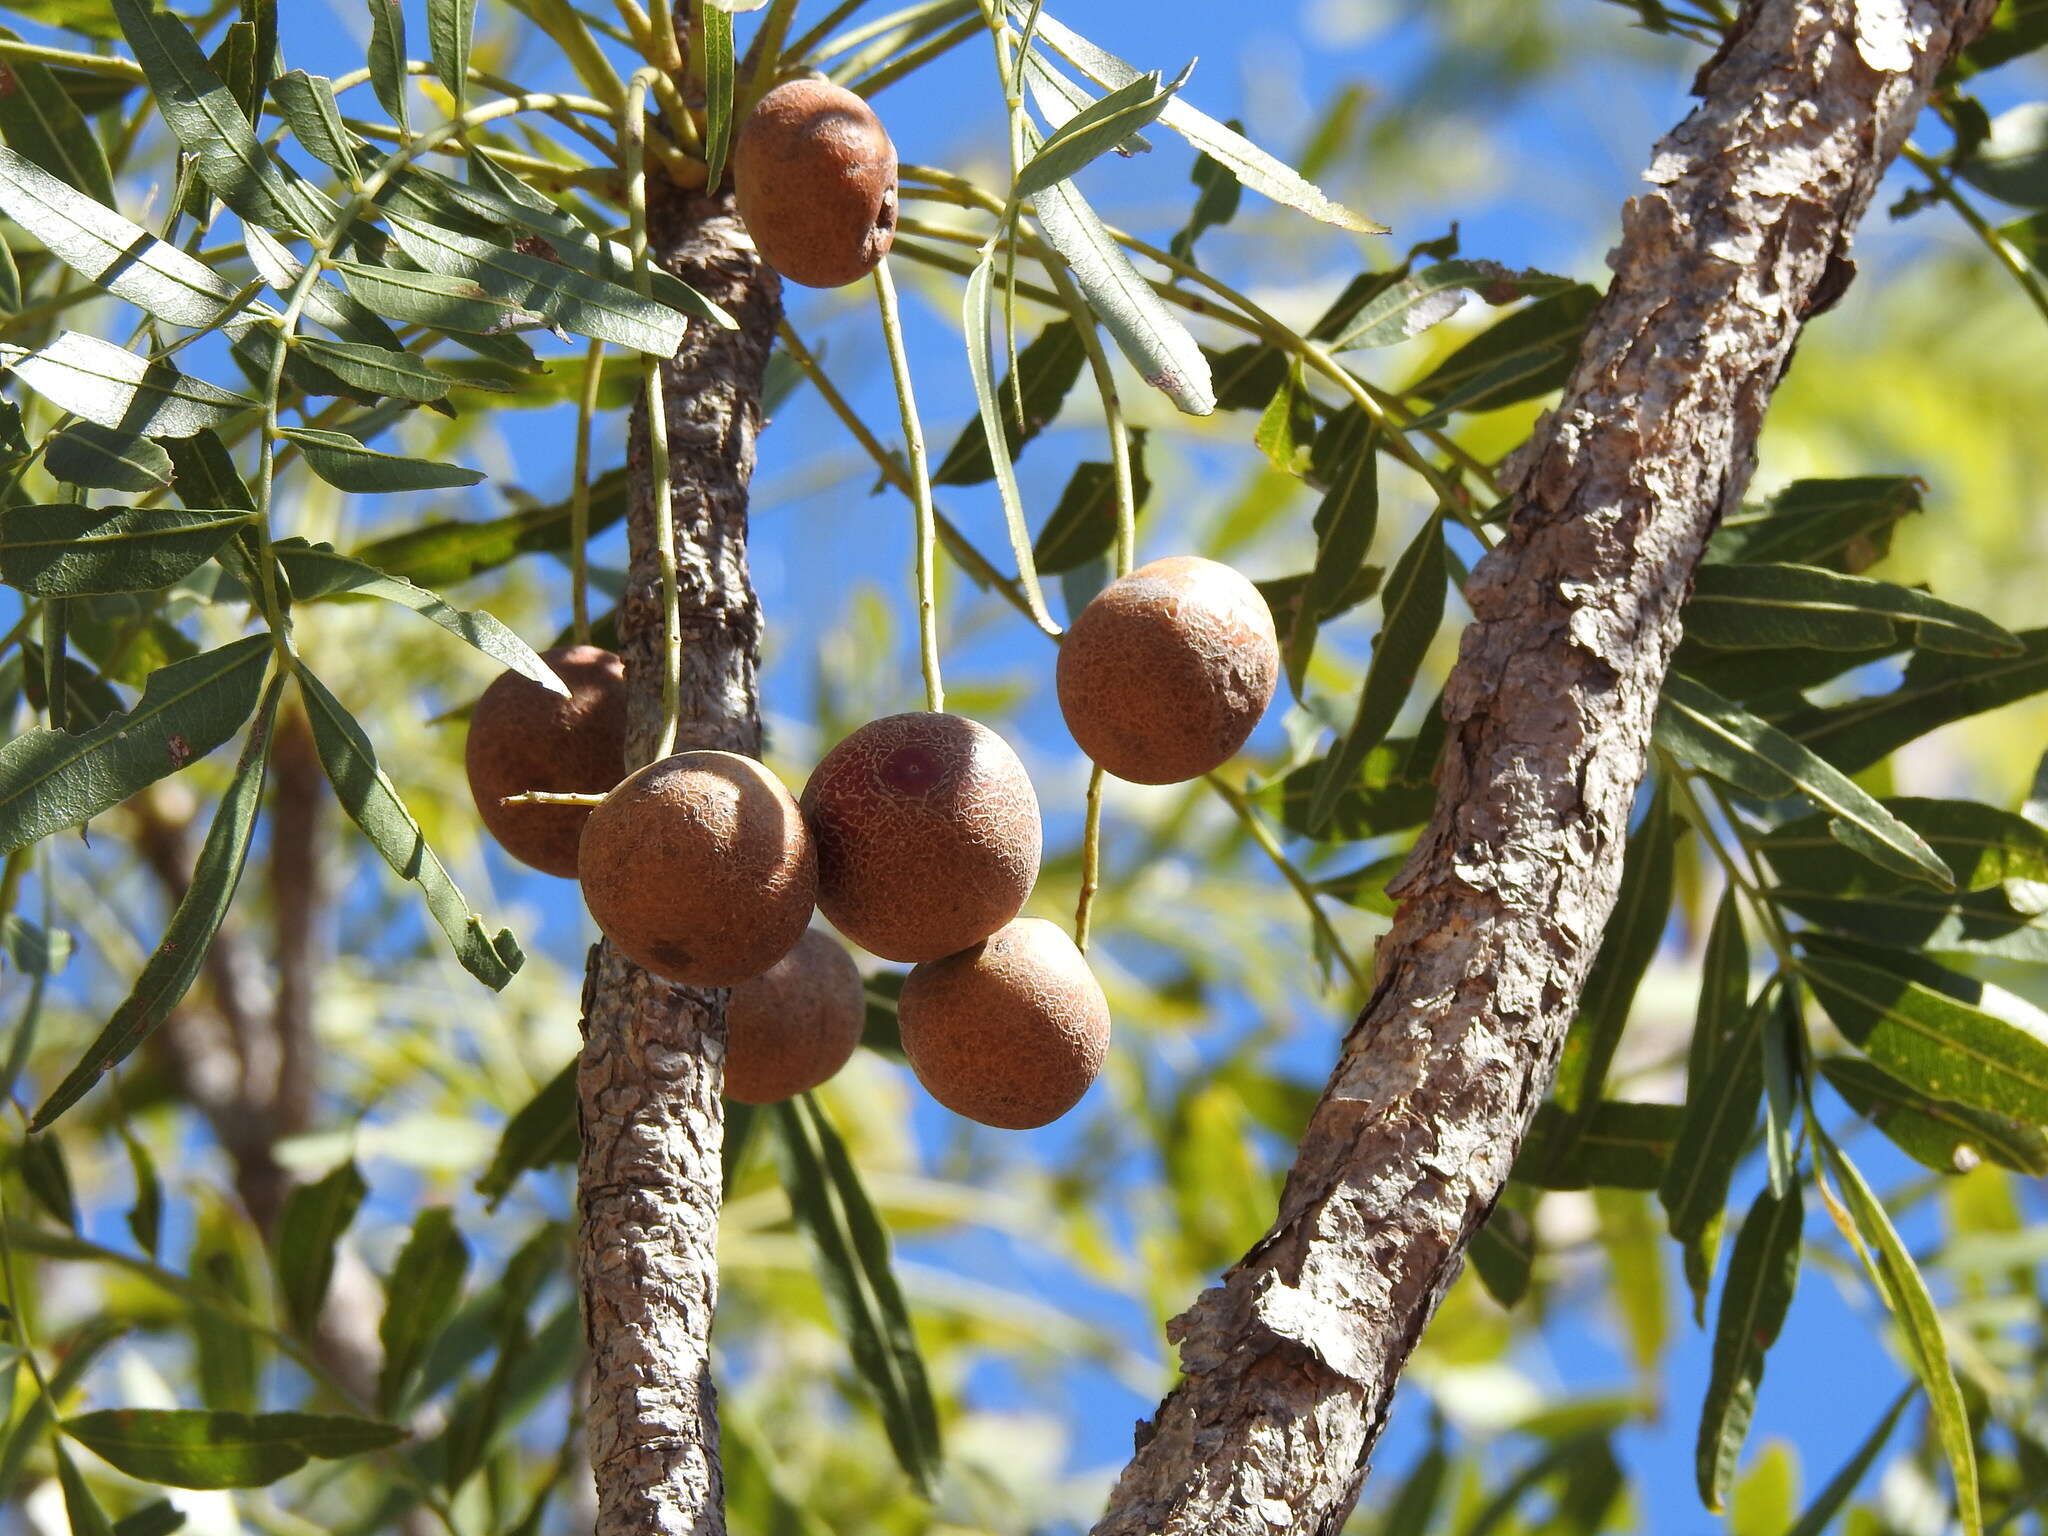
(928, 835)
(814, 174)
(1009, 1033)
(1167, 671)
(521, 737)
(699, 869)
(795, 1025)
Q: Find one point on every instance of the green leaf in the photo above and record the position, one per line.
(2012, 162)
(1218, 193)
(1083, 521)
(308, 106)
(425, 1287)
(206, 119)
(1094, 131)
(542, 1134)
(315, 1216)
(829, 1203)
(67, 550)
(1431, 296)
(32, 950)
(373, 804)
(1947, 1137)
(974, 324)
(90, 456)
(1762, 1275)
(349, 465)
(1618, 1145)
(1287, 426)
(321, 300)
(47, 1176)
(158, 1518)
(456, 304)
(316, 571)
(192, 1448)
(589, 306)
(375, 370)
(1899, 1282)
(1529, 353)
(1503, 1251)
(39, 119)
(1382, 797)
(171, 969)
(146, 1216)
(387, 60)
(1845, 525)
(443, 554)
(1414, 607)
(1828, 1503)
(1149, 334)
(1939, 1043)
(450, 26)
(101, 382)
(50, 780)
(716, 27)
(10, 303)
(1770, 607)
(1251, 165)
(1346, 521)
(1046, 371)
(115, 256)
(1758, 759)
(81, 1510)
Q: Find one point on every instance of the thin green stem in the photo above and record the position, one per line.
(106, 64)
(1091, 861)
(1270, 846)
(579, 497)
(668, 48)
(2001, 248)
(910, 63)
(767, 51)
(920, 488)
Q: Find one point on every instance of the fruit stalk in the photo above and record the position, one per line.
(653, 1054)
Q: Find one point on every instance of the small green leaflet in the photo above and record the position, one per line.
(376, 370)
(50, 780)
(540, 1135)
(450, 26)
(66, 550)
(1938, 1134)
(1047, 370)
(92, 457)
(1935, 690)
(349, 465)
(715, 23)
(39, 118)
(456, 304)
(425, 1286)
(1082, 525)
(1093, 132)
(1431, 296)
(1763, 1272)
(103, 383)
(387, 59)
(1619, 1144)
(315, 570)
(1845, 525)
(314, 1217)
(169, 972)
(115, 256)
(1529, 353)
(309, 108)
(192, 1448)
(371, 801)
(81, 1509)
(1769, 607)
(975, 323)
(1346, 522)
(1217, 196)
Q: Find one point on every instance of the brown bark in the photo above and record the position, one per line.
(653, 1054)
(1290, 1363)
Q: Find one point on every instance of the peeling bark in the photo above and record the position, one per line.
(1290, 1363)
(653, 1053)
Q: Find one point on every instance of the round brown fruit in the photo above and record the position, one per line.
(521, 737)
(1165, 674)
(794, 1025)
(928, 835)
(699, 868)
(815, 176)
(1010, 1032)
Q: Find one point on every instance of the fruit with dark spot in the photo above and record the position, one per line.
(522, 737)
(794, 1025)
(814, 174)
(700, 869)
(1166, 673)
(928, 835)
(1010, 1032)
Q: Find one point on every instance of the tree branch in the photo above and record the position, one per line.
(1290, 1363)
(654, 1054)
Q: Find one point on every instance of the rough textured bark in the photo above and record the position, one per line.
(653, 1053)
(1290, 1363)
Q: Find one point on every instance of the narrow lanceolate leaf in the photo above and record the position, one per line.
(1763, 1272)
(1157, 344)
(91, 456)
(320, 300)
(1046, 371)
(169, 972)
(1820, 1514)
(1617, 1144)
(443, 554)
(540, 1135)
(50, 780)
(105, 384)
(716, 22)
(207, 120)
(81, 1510)
(1934, 690)
(315, 1216)
(975, 322)
(1936, 1042)
(159, 1517)
(425, 1286)
(1216, 200)
(589, 306)
(1939, 1134)
(371, 801)
(1433, 295)
(192, 1448)
(115, 256)
(1905, 1292)
(67, 550)
(830, 1204)
(1253, 166)
(349, 465)
(1759, 759)
(1413, 604)
(457, 304)
(315, 570)
(309, 108)
(1770, 607)
(1845, 525)
(1529, 353)
(1094, 132)
(1082, 526)
(450, 26)
(387, 59)
(376, 370)
(1346, 521)
(39, 119)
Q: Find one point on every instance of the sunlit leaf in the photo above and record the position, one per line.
(193, 1448)
(68, 550)
(39, 119)
(1845, 525)
(1935, 690)
(1767, 607)
(1947, 1137)
(450, 24)
(1433, 295)
(109, 385)
(1092, 133)
(90, 456)
(348, 465)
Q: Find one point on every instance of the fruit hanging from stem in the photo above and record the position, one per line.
(814, 174)
(524, 738)
(795, 1025)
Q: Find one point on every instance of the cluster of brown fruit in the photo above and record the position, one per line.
(918, 837)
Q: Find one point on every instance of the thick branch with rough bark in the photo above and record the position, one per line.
(654, 1054)
(1290, 1363)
